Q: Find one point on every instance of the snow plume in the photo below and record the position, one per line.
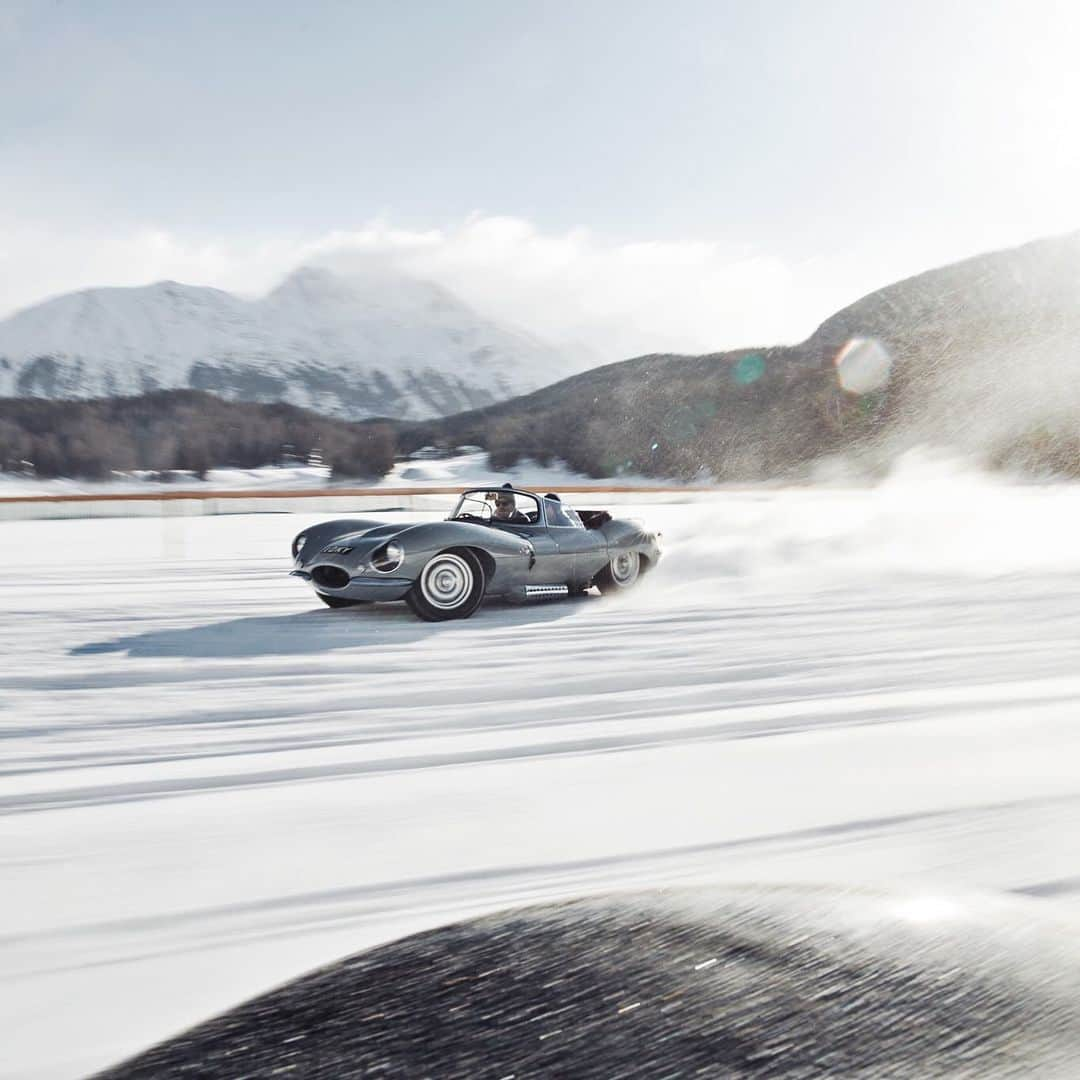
(1012, 405)
(932, 518)
(982, 356)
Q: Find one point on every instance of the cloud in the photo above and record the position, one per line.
(619, 298)
(572, 287)
(14, 16)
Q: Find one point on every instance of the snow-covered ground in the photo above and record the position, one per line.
(475, 468)
(269, 478)
(211, 784)
(458, 471)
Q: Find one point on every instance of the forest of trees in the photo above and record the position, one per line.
(743, 416)
(180, 429)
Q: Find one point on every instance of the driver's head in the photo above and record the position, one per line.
(505, 505)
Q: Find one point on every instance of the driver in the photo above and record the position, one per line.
(506, 509)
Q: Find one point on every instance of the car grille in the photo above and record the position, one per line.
(330, 577)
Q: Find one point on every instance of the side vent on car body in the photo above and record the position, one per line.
(547, 590)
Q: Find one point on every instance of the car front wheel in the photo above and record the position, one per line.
(450, 586)
(621, 573)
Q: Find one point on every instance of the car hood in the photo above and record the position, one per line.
(378, 532)
(361, 538)
(369, 538)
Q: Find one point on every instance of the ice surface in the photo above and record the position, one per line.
(210, 784)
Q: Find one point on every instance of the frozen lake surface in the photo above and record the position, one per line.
(210, 784)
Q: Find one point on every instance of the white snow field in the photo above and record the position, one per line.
(459, 470)
(211, 784)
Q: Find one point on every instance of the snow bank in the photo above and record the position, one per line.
(475, 468)
(458, 471)
(268, 478)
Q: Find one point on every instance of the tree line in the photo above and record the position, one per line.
(685, 418)
(180, 430)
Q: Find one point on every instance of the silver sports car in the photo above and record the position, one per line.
(498, 542)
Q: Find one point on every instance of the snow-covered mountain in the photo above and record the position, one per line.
(370, 343)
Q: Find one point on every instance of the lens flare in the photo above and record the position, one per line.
(863, 365)
(748, 369)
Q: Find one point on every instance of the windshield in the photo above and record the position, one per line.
(497, 506)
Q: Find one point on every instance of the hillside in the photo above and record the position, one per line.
(369, 343)
(982, 356)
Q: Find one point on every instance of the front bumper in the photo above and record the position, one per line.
(364, 588)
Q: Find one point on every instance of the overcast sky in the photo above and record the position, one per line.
(637, 175)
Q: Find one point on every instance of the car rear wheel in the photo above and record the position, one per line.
(621, 573)
(450, 586)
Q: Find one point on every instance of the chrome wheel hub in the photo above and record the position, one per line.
(446, 581)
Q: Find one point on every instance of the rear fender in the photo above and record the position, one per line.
(624, 535)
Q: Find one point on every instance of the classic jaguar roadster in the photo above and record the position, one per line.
(497, 542)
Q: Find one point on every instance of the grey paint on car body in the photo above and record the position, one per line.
(514, 557)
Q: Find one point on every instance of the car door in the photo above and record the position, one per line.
(583, 552)
(550, 565)
(547, 564)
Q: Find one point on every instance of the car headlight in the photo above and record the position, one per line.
(298, 544)
(388, 558)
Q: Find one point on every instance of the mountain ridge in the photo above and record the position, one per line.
(981, 357)
(349, 345)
